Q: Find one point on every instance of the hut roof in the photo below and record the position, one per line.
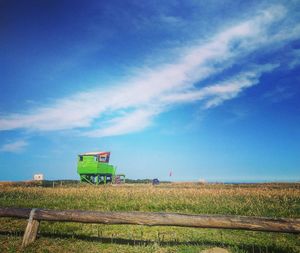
(95, 153)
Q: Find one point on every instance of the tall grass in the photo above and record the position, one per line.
(270, 200)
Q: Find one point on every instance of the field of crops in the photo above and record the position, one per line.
(270, 200)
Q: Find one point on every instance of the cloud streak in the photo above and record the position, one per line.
(133, 104)
(14, 147)
(216, 94)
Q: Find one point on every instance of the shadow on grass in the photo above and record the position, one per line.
(251, 248)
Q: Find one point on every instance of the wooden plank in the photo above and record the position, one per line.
(163, 219)
(31, 230)
(15, 212)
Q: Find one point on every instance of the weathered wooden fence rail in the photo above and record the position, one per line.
(284, 225)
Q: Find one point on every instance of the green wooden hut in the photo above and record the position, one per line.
(94, 168)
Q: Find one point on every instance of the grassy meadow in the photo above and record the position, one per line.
(270, 200)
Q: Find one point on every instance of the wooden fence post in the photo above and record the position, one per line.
(31, 229)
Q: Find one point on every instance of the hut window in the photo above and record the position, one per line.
(102, 158)
(80, 158)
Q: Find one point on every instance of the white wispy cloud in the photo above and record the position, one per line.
(153, 90)
(295, 59)
(130, 122)
(216, 94)
(14, 147)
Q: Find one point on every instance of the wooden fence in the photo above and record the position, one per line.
(35, 215)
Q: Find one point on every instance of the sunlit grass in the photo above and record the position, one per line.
(270, 200)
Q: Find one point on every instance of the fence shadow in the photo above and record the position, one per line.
(251, 248)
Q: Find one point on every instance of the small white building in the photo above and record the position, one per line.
(202, 181)
(38, 177)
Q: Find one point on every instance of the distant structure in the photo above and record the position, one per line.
(94, 168)
(202, 181)
(155, 181)
(38, 177)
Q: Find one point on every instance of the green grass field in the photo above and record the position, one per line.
(270, 200)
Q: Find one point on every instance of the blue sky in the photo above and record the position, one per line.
(207, 89)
